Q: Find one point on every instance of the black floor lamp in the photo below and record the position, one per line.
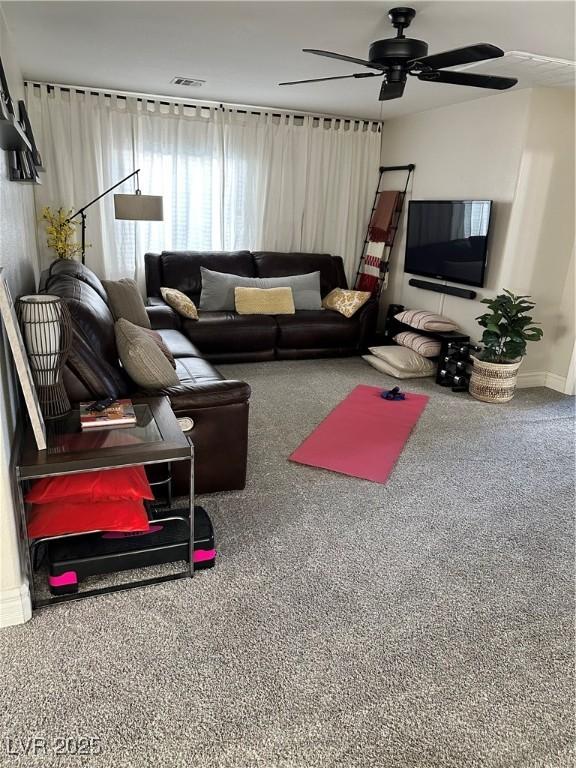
(134, 207)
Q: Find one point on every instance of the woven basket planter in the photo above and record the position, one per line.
(494, 382)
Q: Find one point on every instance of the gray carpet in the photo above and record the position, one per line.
(426, 623)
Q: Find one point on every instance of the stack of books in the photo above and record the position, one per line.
(119, 414)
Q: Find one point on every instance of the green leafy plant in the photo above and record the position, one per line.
(508, 328)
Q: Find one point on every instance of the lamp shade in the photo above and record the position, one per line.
(47, 331)
(139, 207)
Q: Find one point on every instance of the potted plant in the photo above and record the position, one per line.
(61, 233)
(508, 328)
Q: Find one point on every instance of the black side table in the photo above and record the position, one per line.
(156, 438)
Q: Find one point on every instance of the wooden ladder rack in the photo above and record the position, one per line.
(389, 245)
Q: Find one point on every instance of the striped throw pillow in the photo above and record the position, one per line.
(423, 320)
(424, 345)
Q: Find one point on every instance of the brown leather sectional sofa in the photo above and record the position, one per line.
(227, 337)
(218, 406)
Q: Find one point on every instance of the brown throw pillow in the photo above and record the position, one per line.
(180, 303)
(142, 358)
(264, 301)
(125, 301)
(344, 301)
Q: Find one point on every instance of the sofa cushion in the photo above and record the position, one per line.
(316, 329)
(218, 289)
(93, 359)
(196, 370)
(181, 269)
(273, 264)
(77, 270)
(221, 332)
(178, 344)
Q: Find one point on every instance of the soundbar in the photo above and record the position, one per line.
(463, 293)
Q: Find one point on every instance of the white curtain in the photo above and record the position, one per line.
(230, 179)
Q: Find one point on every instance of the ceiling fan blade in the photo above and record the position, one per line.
(391, 91)
(338, 77)
(464, 78)
(478, 52)
(342, 57)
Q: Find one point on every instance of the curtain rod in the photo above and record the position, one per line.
(242, 109)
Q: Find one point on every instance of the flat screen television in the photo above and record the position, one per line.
(447, 239)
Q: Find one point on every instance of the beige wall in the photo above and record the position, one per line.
(18, 257)
(544, 235)
(516, 149)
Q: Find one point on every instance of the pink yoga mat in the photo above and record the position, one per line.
(364, 435)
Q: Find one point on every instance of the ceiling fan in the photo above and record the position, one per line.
(396, 57)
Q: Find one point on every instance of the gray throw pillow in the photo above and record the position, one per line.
(142, 358)
(218, 289)
(125, 301)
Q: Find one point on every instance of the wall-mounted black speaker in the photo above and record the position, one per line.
(463, 293)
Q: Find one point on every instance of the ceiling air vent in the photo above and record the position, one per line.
(531, 69)
(188, 82)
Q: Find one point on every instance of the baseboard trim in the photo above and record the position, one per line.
(543, 379)
(15, 606)
(537, 379)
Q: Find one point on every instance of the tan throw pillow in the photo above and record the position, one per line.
(125, 301)
(346, 302)
(404, 359)
(142, 358)
(264, 301)
(424, 345)
(180, 303)
(426, 321)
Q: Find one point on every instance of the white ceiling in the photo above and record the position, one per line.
(243, 49)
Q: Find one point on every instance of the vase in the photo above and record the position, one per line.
(494, 382)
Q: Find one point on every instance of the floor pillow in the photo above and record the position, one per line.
(423, 345)
(58, 518)
(125, 483)
(400, 362)
(423, 320)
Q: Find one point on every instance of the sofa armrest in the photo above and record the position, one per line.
(162, 317)
(185, 397)
(367, 319)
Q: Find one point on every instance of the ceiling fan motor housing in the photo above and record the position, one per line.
(397, 50)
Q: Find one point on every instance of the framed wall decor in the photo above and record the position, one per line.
(20, 357)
